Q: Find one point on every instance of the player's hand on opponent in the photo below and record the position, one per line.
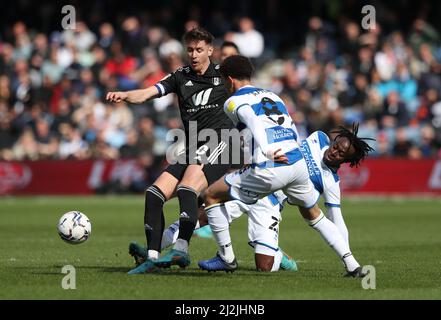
(277, 157)
(116, 96)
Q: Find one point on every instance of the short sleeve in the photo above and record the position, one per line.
(167, 85)
(231, 108)
(331, 193)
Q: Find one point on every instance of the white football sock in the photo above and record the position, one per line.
(334, 214)
(334, 239)
(227, 253)
(152, 254)
(219, 223)
(181, 245)
(171, 234)
(277, 260)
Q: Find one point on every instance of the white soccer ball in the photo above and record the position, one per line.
(74, 227)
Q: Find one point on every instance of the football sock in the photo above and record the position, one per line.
(152, 254)
(154, 217)
(334, 214)
(181, 245)
(334, 239)
(227, 253)
(218, 220)
(171, 234)
(277, 260)
(189, 212)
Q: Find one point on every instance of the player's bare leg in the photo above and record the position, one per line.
(171, 233)
(155, 197)
(215, 196)
(330, 233)
(188, 190)
(263, 262)
(217, 193)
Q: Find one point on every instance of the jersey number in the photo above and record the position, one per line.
(278, 118)
(274, 226)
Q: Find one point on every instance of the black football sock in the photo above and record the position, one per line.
(154, 221)
(188, 211)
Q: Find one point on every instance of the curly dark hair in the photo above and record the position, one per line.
(361, 147)
(237, 67)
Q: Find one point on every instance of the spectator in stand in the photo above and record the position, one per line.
(72, 145)
(386, 78)
(227, 49)
(402, 145)
(47, 142)
(26, 147)
(394, 113)
(131, 149)
(423, 33)
(81, 38)
(350, 44)
(131, 39)
(100, 149)
(249, 41)
(427, 144)
(121, 65)
(146, 137)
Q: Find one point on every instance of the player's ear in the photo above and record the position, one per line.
(210, 50)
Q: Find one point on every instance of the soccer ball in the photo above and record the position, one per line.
(74, 227)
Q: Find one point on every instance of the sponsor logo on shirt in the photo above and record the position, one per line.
(278, 134)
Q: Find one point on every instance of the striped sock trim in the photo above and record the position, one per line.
(185, 188)
(317, 220)
(157, 192)
(214, 206)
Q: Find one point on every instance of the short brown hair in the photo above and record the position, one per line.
(198, 34)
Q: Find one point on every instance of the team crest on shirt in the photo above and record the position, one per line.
(216, 81)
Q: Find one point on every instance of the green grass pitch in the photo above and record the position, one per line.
(400, 238)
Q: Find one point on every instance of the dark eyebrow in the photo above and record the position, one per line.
(341, 149)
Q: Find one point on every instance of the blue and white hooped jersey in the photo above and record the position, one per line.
(278, 127)
(324, 179)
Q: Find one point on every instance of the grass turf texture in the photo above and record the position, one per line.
(399, 237)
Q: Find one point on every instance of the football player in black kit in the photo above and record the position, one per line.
(201, 94)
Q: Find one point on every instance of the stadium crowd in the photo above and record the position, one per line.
(53, 84)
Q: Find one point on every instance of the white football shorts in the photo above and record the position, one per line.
(263, 221)
(252, 183)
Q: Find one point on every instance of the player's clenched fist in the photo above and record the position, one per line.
(116, 96)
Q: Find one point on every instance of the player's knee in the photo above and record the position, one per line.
(264, 263)
(210, 197)
(310, 213)
(154, 195)
(264, 266)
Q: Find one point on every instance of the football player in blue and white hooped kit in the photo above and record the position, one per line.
(323, 157)
(277, 164)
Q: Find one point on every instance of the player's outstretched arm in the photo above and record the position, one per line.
(133, 96)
